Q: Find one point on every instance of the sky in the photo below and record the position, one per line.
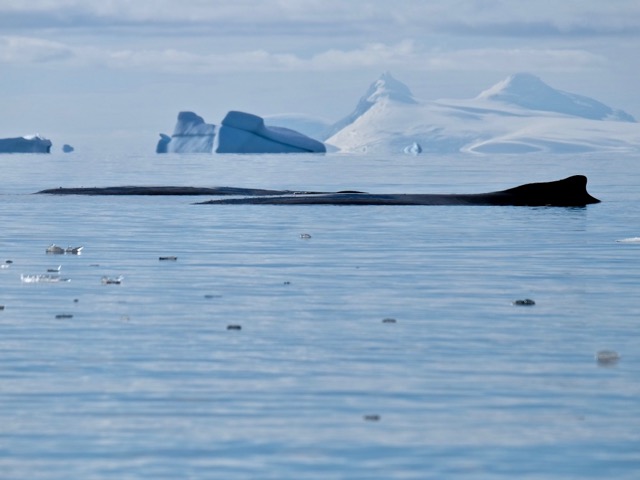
(119, 71)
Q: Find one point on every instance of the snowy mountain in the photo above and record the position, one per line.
(520, 114)
(528, 91)
(386, 88)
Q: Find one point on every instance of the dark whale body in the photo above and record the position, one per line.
(162, 190)
(569, 192)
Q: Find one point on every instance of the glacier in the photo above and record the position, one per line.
(242, 132)
(190, 135)
(520, 114)
(25, 144)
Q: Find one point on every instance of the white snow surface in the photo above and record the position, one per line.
(520, 114)
(242, 132)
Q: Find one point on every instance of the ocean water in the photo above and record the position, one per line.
(145, 379)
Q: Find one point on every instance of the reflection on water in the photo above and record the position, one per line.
(266, 350)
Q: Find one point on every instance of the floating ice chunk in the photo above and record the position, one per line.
(55, 249)
(526, 302)
(629, 240)
(74, 250)
(112, 281)
(413, 149)
(46, 278)
(607, 357)
(66, 148)
(55, 269)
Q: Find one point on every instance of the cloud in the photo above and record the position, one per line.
(25, 50)
(413, 18)
(404, 55)
(192, 17)
(515, 59)
(539, 29)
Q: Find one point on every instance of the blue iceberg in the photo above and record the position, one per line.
(26, 144)
(246, 133)
(191, 135)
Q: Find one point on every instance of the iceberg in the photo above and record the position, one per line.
(26, 144)
(190, 135)
(413, 149)
(242, 132)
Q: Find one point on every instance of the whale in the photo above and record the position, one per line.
(171, 190)
(568, 192)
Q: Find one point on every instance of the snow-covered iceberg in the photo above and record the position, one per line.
(191, 135)
(246, 133)
(520, 114)
(26, 144)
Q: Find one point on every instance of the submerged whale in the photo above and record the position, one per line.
(569, 192)
(161, 190)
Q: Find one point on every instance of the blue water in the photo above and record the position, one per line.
(145, 380)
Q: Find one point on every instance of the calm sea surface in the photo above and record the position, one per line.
(144, 379)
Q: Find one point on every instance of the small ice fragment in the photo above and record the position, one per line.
(112, 281)
(234, 327)
(629, 240)
(168, 259)
(372, 418)
(526, 301)
(74, 250)
(42, 278)
(64, 315)
(305, 236)
(607, 358)
(54, 249)
(389, 320)
(54, 270)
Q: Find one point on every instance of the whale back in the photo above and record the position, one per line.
(568, 192)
